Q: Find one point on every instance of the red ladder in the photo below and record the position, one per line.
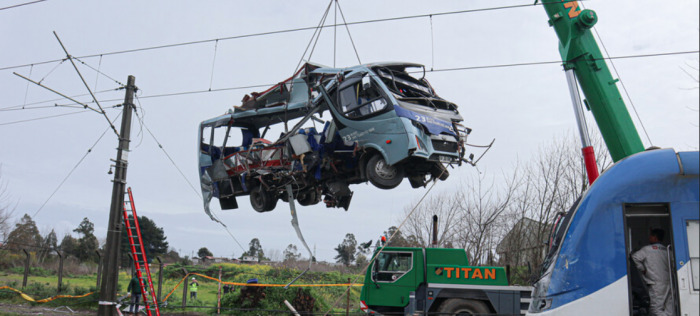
(133, 233)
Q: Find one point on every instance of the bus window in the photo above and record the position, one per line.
(693, 240)
(357, 101)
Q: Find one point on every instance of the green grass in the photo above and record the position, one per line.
(40, 287)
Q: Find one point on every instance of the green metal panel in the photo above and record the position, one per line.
(580, 52)
(394, 293)
(445, 266)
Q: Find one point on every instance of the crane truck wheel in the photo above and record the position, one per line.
(383, 175)
(461, 307)
(261, 200)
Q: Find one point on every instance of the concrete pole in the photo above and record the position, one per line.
(160, 277)
(110, 277)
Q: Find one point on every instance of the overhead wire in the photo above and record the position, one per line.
(43, 117)
(197, 193)
(21, 4)
(622, 83)
(26, 91)
(20, 106)
(283, 31)
(74, 168)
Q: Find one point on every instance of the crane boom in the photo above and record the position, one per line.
(580, 53)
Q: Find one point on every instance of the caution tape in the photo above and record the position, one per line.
(29, 298)
(257, 284)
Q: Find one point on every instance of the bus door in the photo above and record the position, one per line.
(639, 221)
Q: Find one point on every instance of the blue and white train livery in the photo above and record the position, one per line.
(588, 270)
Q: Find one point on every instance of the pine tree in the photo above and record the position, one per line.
(25, 235)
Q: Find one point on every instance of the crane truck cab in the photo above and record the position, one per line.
(410, 281)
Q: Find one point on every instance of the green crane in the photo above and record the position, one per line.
(580, 54)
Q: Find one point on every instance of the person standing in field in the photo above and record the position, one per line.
(193, 288)
(135, 289)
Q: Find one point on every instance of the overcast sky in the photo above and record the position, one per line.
(521, 107)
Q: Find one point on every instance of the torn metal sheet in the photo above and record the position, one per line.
(386, 125)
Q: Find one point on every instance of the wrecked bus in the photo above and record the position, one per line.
(385, 125)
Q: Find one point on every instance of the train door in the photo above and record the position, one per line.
(640, 220)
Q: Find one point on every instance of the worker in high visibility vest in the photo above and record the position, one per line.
(193, 288)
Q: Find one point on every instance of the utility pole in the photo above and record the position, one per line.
(110, 276)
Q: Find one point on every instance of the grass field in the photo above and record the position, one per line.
(40, 287)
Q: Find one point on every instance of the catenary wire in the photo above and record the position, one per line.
(284, 31)
(75, 167)
(197, 193)
(171, 94)
(22, 4)
(43, 117)
(558, 62)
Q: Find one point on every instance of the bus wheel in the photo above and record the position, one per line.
(309, 197)
(261, 200)
(382, 175)
(462, 307)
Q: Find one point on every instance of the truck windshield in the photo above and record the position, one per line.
(390, 266)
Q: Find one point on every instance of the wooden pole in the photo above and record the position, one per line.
(218, 304)
(26, 269)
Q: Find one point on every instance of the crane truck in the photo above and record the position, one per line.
(588, 269)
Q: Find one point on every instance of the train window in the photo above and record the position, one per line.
(693, 241)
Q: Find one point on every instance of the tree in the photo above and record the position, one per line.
(25, 235)
(50, 244)
(87, 243)
(153, 237)
(419, 226)
(6, 210)
(291, 254)
(68, 245)
(204, 252)
(346, 250)
(255, 250)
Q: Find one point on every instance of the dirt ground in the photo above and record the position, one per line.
(27, 309)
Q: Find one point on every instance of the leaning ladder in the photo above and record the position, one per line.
(137, 252)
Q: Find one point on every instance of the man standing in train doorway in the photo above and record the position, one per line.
(653, 262)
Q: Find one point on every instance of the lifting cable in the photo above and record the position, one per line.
(348, 30)
(374, 257)
(213, 63)
(622, 83)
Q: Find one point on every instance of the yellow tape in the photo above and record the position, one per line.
(49, 299)
(257, 284)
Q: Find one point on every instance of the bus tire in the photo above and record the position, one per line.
(383, 175)
(261, 200)
(462, 307)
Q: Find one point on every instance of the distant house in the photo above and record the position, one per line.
(525, 244)
(249, 259)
